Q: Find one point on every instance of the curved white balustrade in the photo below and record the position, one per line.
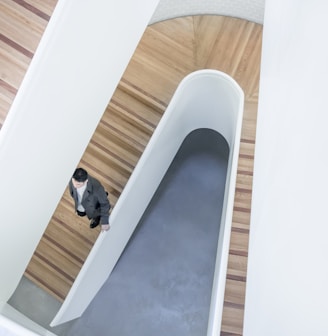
(204, 99)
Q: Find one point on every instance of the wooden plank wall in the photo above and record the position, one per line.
(22, 24)
(168, 51)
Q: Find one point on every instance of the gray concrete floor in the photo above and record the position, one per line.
(163, 280)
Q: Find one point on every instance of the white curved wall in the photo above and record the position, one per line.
(251, 10)
(204, 99)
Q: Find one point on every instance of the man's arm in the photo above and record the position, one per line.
(71, 192)
(104, 208)
(70, 187)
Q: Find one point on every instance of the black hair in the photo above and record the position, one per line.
(80, 175)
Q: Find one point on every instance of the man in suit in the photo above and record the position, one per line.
(90, 199)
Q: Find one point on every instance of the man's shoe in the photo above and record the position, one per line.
(94, 223)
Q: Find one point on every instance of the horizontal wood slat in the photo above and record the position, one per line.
(168, 51)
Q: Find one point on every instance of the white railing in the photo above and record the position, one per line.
(204, 99)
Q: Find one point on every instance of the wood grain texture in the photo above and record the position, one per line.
(168, 51)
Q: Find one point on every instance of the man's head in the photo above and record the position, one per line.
(80, 177)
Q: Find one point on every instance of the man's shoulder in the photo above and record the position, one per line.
(94, 182)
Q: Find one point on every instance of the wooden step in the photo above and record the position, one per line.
(137, 121)
(124, 123)
(14, 18)
(55, 259)
(131, 150)
(134, 102)
(44, 277)
(118, 132)
(142, 95)
(69, 238)
(116, 149)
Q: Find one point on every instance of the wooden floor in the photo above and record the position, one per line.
(167, 52)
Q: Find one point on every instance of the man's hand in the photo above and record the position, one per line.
(105, 227)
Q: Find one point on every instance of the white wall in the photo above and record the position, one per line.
(73, 74)
(287, 279)
(251, 10)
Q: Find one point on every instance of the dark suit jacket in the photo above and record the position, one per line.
(94, 201)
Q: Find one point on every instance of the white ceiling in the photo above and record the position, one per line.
(252, 10)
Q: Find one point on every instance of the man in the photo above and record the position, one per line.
(90, 199)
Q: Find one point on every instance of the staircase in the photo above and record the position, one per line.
(168, 51)
(111, 156)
